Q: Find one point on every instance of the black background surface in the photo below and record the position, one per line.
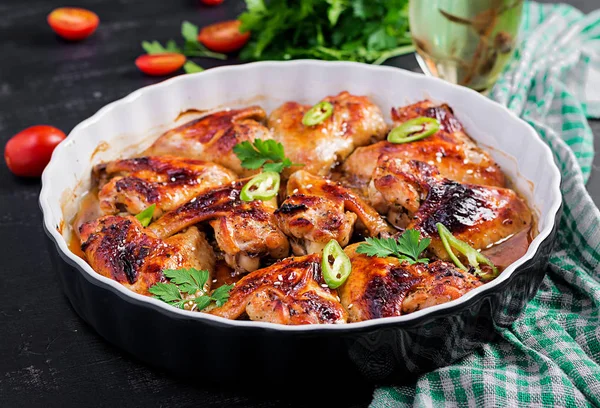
(48, 356)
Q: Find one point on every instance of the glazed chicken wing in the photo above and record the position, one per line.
(356, 121)
(212, 137)
(291, 291)
(478, 215)
(302, 182)
(134, 184)
(386, 287)
(121, 249)
(244, 231)
(450, 149)
(312, 221)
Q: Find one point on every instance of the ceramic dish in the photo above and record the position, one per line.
(182, 341)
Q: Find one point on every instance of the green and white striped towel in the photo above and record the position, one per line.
(551, 354)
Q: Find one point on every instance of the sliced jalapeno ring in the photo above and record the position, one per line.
(145, 217)
(263, 186)
(317, 113)
(336, 265)
(473, 256)
(414, 129)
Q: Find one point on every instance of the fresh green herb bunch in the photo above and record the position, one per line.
(354, 30)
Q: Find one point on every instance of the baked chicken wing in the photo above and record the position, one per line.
(319, 210)
(291, 291)
(386, 287)
(356, 121)
(121, 249)
(312, 221)
(244, 231)
(134, 184)
(212, 137)
(450, 149)
(479, 215)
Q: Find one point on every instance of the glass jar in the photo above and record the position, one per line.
(467, 42)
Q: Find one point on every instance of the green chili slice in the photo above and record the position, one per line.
(473, 256)
(317, 114)
(335, 265)
(146, 216)
(263, 186)
(414, 129)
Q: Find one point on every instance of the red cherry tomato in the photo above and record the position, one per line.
(224, 36)
(73, 23)
(28, 152)
(212, 2)
(160, 64)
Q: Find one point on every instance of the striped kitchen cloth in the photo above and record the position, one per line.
(551, 354)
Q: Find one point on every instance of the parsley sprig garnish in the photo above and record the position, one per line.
(191, 48)
(408, 247)
(190, 282)
(267, 154)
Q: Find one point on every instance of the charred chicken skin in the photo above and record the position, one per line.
(291, 291)
(121, 249)
(478, 215)
(212, 137)
(244, 231)
(450, 149)
(356, 121)
(386, 287)
(132, 185)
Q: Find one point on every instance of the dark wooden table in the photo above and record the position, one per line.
(48, 356)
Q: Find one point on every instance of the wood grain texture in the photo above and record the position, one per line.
(48, 356)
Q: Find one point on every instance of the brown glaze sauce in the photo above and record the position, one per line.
(191, 112)
(224, 275)
(505, 253)
(102, 147)
(509, 250)
(89, 210)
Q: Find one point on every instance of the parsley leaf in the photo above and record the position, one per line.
(256, 6)
(380, 40)
(189, 282)
(189, 32)
(190, 67)
(411, 244)
(166, 292)
(221, 294)
(172, 47)
(380, 247)
(154, 47)
(335, 9)
(192, 47)
(268, 154)
(408, 247)
(145, 217)
(202, 302)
